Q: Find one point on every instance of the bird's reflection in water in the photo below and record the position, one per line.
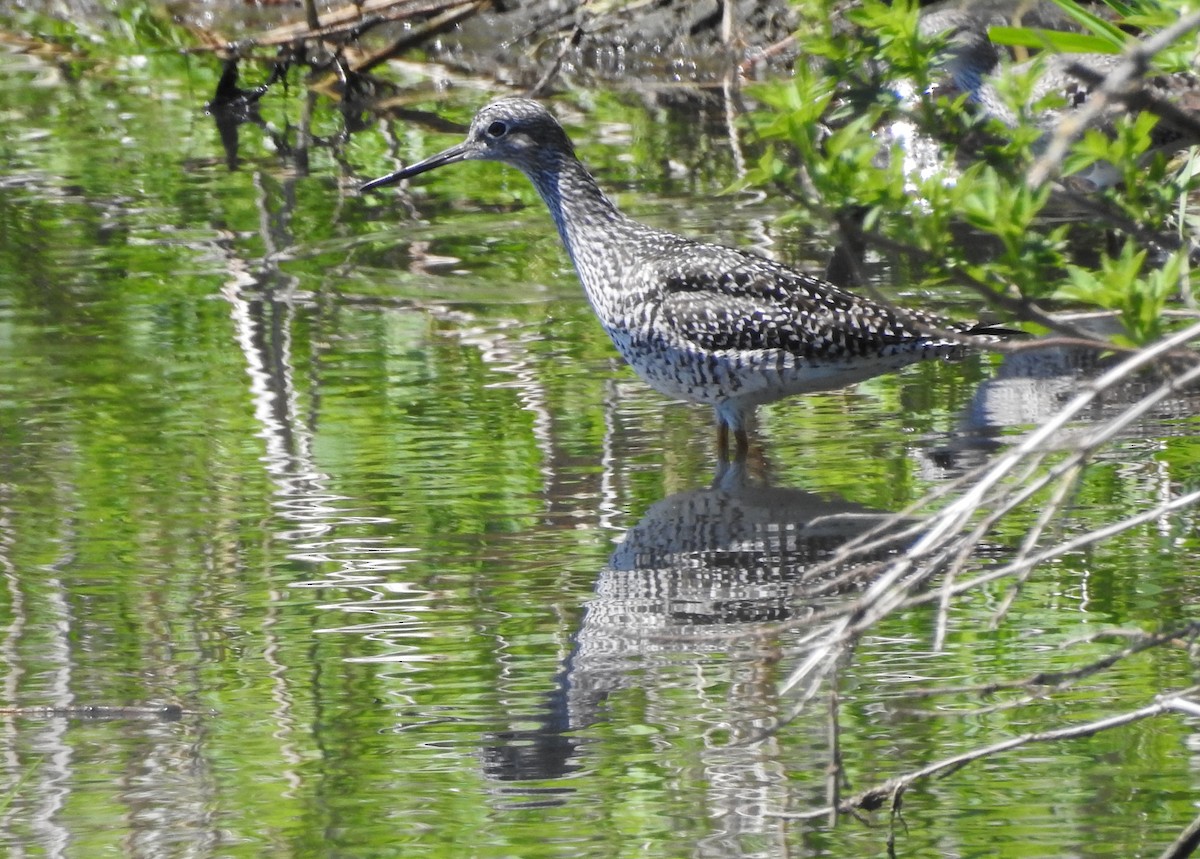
(684, 594)
(704, 570)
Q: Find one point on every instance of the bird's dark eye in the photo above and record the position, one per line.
(497, 129)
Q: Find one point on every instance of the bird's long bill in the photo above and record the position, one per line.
(455, 153)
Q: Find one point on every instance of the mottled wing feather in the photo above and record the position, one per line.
(754, 303)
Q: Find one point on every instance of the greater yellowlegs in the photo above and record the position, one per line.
(1058, 84)
(698, 321)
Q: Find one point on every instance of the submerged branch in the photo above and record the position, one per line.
(1048, 682)
(874, 797)
(945, 542)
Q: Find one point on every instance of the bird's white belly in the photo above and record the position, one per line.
(749, 378)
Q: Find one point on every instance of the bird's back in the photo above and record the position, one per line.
(711, 323)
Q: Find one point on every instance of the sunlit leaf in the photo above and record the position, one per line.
(1060, 41)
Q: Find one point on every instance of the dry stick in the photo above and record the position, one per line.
(1021, 308)
(986, 478)
(1133, 66)
(1185, 845)
(1088, 445)
(873, 797)
(1110, 530)
(346, 20)
(731, 101)
(973, 712)
(1092, 636)
(877, 538)
(766, 53)
(836, 585)
(1100, 209)
(569, 42)
(1073, 545)
(895, 594)
(1065, 485)
(882, 536)
(905, 315)
(1003, 502)
(1138, 410)
(418, 34)
(953, 516)
(1080, 542)
(883, 596)
(1145, 101)
(893, 589)
(816, 659)
(833, 785)
(846, 624)
(1185, 705)
(1057, 680)
(1000, 507)
(1071, 336)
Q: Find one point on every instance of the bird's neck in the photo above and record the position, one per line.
(587, 220)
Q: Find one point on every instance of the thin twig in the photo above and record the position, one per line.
(835, 774)
(895, 588)
(1133, 66)
(1065, 484)
(952, 517)
(1080, 542)
(873, 797)
(1049, 682)
(420, 33)
(1186, 844)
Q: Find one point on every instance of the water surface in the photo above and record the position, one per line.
(359, 484)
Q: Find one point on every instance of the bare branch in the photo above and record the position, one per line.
(873, 798)
(1186, 844)
(1047, 682)
(1115, 88)
(1001, 487)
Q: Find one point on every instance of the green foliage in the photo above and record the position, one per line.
(1124, 284)
(1093, 23)
(137, 27)
(1009, 211)
(348, 470)
(831, 140)
(1053, 40)
(147, 26)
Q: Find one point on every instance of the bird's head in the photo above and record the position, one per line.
(516, 131)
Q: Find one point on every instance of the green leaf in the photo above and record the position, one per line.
(1094, 23)
(1058, 41)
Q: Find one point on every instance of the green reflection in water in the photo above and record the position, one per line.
(345, 483)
